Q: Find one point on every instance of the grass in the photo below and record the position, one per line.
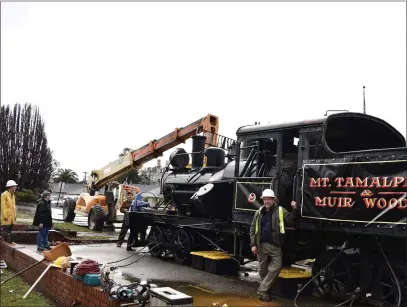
(70, 226)
(24, 215)
(20, 288)
(23, 223)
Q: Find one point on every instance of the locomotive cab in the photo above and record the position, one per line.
(273, 156)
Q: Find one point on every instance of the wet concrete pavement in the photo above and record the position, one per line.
(207, 289)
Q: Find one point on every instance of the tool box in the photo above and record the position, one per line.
(168, 297)
(290, 281)
(216, 262)
(89, 279)
(198, 260)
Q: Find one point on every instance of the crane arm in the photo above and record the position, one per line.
(134, 159)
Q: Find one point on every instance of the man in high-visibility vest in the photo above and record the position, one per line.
(267, 238)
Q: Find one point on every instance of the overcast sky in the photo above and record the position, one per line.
(113, 75)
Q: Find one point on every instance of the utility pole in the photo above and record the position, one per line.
(84, 180)
(364, 101)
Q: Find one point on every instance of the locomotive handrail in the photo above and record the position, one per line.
(223, 142)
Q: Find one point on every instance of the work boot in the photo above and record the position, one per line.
(40, 249)
(130, 249)
(264, 297)
(48, 248)
(119, 244)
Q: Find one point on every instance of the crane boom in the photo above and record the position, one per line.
(134, 159)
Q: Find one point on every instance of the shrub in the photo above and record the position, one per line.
(27, 196)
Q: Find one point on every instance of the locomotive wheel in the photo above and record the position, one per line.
(385, 286)
(182, 246)
(335, 279)
(155, 236)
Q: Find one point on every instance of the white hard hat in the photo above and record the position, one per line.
(11, 183)
(268, 193)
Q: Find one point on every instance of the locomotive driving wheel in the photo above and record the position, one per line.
(182, 245)
(336, 279)
(155, 237)
(385, 285)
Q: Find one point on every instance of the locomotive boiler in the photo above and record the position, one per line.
(184, 180)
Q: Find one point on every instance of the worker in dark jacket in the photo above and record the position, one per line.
(267, 239)
(125, 225)
(138, 205)
(43, 219)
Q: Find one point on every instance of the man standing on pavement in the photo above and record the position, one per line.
(43, 219)
(138, 205)
(8, 209)
(125, 225)
(267, 239)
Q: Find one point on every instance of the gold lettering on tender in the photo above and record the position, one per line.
(339, 181)
(375, 182)
(369, 202)
(393, 202)
(402, 203)
(381, 203)
(361, 183)
(348, 201)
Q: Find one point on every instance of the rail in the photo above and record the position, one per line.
(218, 140)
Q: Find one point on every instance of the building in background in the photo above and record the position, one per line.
(154, 174)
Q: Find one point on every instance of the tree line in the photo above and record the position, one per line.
(25, 156)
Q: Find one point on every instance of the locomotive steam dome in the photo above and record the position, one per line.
(179, 158)
(215, 157)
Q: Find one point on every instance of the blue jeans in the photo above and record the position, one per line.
(42, 237)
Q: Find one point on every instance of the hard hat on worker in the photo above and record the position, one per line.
(11, 183)
(268, 193)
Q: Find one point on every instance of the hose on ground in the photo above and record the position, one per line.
(354, 297)
(320, 272)
(124, 265)
(394, 275)
(133, 254)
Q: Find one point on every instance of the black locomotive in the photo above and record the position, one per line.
(347, 171)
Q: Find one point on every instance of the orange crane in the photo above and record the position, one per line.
(102, 208)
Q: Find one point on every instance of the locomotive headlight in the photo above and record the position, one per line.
(217, 176)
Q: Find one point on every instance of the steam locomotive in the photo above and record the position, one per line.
(347, 171)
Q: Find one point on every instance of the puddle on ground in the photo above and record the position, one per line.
(203, 297)
(206, 298)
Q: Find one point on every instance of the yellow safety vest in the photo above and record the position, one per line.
(280, 217)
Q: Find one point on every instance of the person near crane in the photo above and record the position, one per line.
(138, 205)
(267, 238)
(8, 209)
(125, 225)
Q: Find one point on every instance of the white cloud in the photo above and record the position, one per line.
(113, 75)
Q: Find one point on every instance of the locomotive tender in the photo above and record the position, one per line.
(347, 172)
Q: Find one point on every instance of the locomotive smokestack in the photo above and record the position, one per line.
(198, 145)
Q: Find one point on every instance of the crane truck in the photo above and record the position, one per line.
(101, 208)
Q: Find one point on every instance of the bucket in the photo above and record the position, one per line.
(58, 251)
